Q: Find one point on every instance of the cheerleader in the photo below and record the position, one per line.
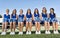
(13, 22)
(36, 18)
(28, 21)
(6, 20)
(21, 19)
(45, 17)
(53, 20)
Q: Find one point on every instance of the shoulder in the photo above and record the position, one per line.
(54, 14)
(15, 14)
(23, 14)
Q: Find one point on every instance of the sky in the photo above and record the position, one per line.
(32, 4)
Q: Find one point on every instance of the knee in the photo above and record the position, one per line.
(26, 22)
(46, 22)
(14, 23)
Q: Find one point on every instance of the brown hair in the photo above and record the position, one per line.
(45, 9)
(27, 11)
(13, 11)
(37, 10)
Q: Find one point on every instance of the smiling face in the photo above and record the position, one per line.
(21, 11)
(7, 11)
(14, 11)
(51, 10)
(44, 10)
(28, 11)
(36, 11)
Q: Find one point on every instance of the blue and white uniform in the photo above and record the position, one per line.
(28, 17)
(6, 18)
(44, 17)
(21, 18)
(52, 17)
(36, 17)
(13, 18)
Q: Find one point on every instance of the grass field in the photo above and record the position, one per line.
(31, 36)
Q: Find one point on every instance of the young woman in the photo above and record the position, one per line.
(21, 19)
(53, 20)
(28, 21)
(44, 17)
(6, 20)
(36, 18)
(13, 22)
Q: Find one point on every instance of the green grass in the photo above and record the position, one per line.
(31, 36)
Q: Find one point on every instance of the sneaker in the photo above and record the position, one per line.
(39, 32)
(46, 32)
(54, 32)
(27, 32)
(57, 32)
(49, 32)
(12, 33)
(36, 32)
(21, 33)
(3, 33)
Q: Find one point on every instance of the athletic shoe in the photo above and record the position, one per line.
(36, 32)
(27, 32)
(46, 32)
(49, 32)
(20, 33)
(39, 32)
(3, 33)
(12, 33)
(57, 32)
(30, 32)
(54, 32)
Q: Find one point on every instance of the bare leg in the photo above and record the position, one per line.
(56, 26)
(30, 25)
(14, 23)
(3, 27)
(45, 25)
(6, 23)
(48, 26)
(38, 26)
(21, 26)
(26, 26)
(11, 26)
